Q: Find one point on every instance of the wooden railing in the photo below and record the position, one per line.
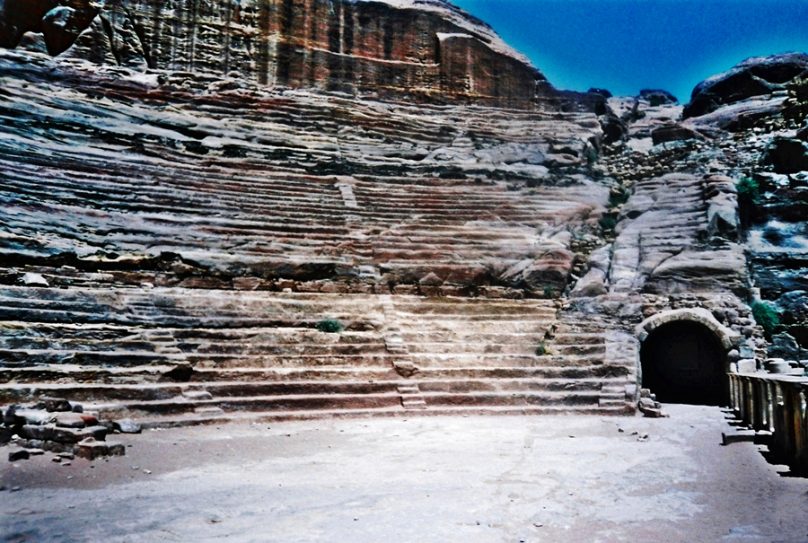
(776, 404)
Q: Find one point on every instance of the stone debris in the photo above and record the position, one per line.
(126, 426)
(33, 280)
(91, 449)
(53, 424)
(649, 407)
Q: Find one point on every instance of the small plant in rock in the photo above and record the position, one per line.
(608, 222)
(748, 190)
(549, 292)
(748, 199)
(766, 316)
(330, 326)
(591, 155)
(618, 196)
(542, 350)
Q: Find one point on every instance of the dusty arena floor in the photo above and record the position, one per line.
(445, 479)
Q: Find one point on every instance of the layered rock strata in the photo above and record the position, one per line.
(426, 48)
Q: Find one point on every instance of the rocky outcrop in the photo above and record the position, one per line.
(740, 158)
(658, 97)
(754, 77)
(423, 48)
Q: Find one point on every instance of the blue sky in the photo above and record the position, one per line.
(626, 45)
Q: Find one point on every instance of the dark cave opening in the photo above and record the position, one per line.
(684, 362)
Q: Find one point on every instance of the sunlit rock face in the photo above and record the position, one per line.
(193, 188)
(424, 48)
(755, 77)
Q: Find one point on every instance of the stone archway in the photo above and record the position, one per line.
(684, 357)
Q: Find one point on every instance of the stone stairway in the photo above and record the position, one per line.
(179, 356)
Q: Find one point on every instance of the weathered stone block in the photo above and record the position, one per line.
(51, 432)
(70, 420)
(116, 449)
(53, 405)
(91, 449)
(32, 416)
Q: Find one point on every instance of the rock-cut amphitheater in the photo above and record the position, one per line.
(216, 210)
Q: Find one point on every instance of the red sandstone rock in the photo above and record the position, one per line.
(428, 49)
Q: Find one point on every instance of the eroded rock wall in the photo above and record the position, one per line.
(419, 48)
(712, 210)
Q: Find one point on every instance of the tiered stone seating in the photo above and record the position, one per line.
(271, 203)
(258, 354)
(184, 229)
(510, 354)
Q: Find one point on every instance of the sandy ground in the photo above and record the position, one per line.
(444, 479)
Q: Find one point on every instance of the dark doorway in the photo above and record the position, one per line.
(684, 362)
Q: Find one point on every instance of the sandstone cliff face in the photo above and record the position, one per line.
(424, 48)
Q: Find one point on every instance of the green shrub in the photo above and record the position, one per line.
(541, 350)
(591, 155)
(618, 196)
(330, 326)
(766, 316)
(748, 190)
(608, 222)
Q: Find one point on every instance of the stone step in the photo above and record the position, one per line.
(19, 332)
(180, 420)
(312, 402)
(38, 357)
(601, 372)
(315, 402)
(459, 360)
(566, 398)
(207, 390)
(413, 403)
(135, 375)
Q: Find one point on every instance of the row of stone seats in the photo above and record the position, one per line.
(250, 183)
(260, 354)
(396, 224)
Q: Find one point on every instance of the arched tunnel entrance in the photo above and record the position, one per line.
(684, 362)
